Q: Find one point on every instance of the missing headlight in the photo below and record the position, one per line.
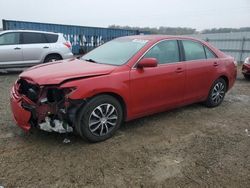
(55, 95)
(28, 89)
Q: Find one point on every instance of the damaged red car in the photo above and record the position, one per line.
(124, 79)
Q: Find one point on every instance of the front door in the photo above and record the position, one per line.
(158, 88)
(10, 49)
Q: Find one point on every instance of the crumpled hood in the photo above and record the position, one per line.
(59, 71)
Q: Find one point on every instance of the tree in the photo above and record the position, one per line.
(160, 30)
(179, 30)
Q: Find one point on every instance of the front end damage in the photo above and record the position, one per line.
(45, 107)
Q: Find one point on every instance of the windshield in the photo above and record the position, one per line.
(115, 52)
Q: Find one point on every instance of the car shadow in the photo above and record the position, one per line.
(36, 135)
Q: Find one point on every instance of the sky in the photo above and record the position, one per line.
(198, 14)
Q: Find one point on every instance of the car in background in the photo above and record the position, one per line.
(246, 68)
(24, 48)
(121, 80)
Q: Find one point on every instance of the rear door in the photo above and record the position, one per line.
(10, 49)
(161, 87)
(200, 70)
(35, 47)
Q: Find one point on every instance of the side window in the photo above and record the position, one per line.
(193, 50)
(51, 38)
(9, 39)
(165, 52)
(210, 55)
(33, 38)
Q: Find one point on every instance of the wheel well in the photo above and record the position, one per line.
(226, 80)
(120, 99)
(53, 54)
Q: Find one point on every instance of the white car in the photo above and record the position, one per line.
(24, 48)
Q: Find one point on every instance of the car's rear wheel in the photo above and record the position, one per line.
(247, 76)
(52, 57)
(216, 93)
(99, 118)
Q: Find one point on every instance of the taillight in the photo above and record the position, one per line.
(67, 44)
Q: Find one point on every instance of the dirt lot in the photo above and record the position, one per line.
(189, 147)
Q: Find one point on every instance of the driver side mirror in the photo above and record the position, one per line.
(147, 62)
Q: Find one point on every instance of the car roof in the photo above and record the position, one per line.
(160, 37)
(29, 31)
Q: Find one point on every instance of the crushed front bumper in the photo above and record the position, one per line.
(20, 115)
(48, 115)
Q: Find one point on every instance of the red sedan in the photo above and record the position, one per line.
(124, 79)
(246, 68)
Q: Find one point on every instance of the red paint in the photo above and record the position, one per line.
(144, 91)
(57, 72)
(147, 62)
(20, 115)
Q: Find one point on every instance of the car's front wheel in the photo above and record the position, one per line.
(217, 93)
(99, 118)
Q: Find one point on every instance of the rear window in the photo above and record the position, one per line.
(33, 38)
(51, 38)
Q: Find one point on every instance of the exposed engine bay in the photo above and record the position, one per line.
(50, 108)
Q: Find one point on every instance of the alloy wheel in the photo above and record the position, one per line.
(218, 92)
(103, 119)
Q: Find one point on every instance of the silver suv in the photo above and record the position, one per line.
(22, 48)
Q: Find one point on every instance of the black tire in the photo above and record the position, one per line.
(247, 76)
(52, 57)
(87, 120)
(216, 93)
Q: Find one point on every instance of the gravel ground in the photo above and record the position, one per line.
(193, 146)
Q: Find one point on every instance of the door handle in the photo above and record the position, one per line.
(17, 48)
(179, 70)
(45, 47)
(216, 64)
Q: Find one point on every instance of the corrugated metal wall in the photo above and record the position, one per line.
(82, 38)
(235, 44)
